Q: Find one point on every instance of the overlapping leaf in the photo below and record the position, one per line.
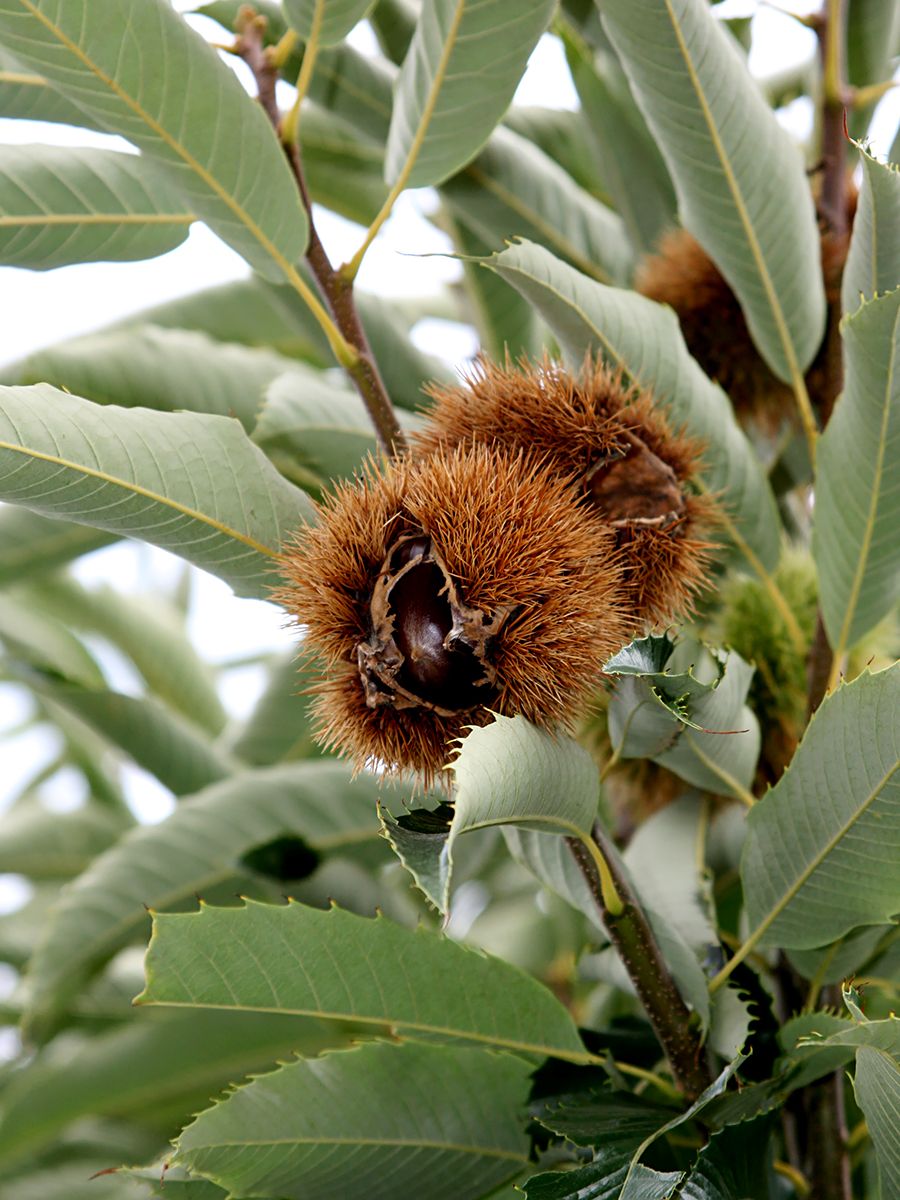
(60, 205)
(190, 483)
(514, 189)
(873, 261)
(196, 849)
(701, 730)
(857, 511)
(31, 544)
(876, 1085)
(105, 54)
(837, 806)
(294, 959)
(42, 844)
(371, 1123)
(644, 339)
(724, 146)
(456, 82)
(28, 96)
(332, 20)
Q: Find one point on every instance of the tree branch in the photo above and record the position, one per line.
(630, 933)
(336, 291)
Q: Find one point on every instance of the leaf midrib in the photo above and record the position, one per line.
(180, 150)
(865, 547)
(738, 198)
(138, 490)
(821, 856)
(321, 1140)
(182, 218)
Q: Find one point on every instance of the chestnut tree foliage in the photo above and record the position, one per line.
(670, 962)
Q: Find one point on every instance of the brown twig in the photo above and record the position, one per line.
(633, 938)
(830, 27)
(336, 291)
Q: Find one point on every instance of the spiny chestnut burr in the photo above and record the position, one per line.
(439, 590)
(682, 275)
(611, 443)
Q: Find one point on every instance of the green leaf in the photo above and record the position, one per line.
(294, 959)
(50, 845)
(42, 644)
(171, 1183)
(74, 1182)
(60, 205)
(134, 473)
(702, 731)
(643, 338)
(28, 96)
(315, 430)
(336, 20)
(194, 850)
(279, 727)
(873, 261)
(834, 807)
(180, 754)
(150, 632)
(876, 1086)
(379, 1122)
(514, 189)
(873, 36)
(456, 82)
(629, 160)
(156, 1071)
(843, 958)
(104, 54)
(565, 136)
(723, 145)
(344, 170)
(164, 369)
(662, 857)
(734, 1164)
(857, 490)
(31, 544)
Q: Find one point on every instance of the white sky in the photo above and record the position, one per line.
(40, 308)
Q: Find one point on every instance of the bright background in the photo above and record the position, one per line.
(40, 308)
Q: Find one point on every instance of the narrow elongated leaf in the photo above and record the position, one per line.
(876, 1086)
(504, 320)
(565, 136)
(858, 486)
(150, 632)
(724, 148)
(28, 96)
(294, 959)
(873, 36)
(181, 756)
(836, 806)
(101, 53)
(344, 170)
(74, 1182)
(379, 1122)
(737, 1162)
(279, 728)
(194, 850)
(314, 430)
(31, 544)
(332, 19)
(60, 205)
(873, 261)
(189, 483)
(845, 957)
(456, 82)
(629, 160)
(39, 643)
(156, 1070)
(643, 339)
(515, 189)
(49, 845)
(164, 369)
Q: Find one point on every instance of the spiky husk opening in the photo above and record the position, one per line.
(518, 545)
(682, 275)
(612, 444)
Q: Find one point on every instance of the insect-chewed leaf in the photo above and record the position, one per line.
(643, 338)
(406, 1121)
(309, 962)
(835, 807)
(104, 51)
(724, 148)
